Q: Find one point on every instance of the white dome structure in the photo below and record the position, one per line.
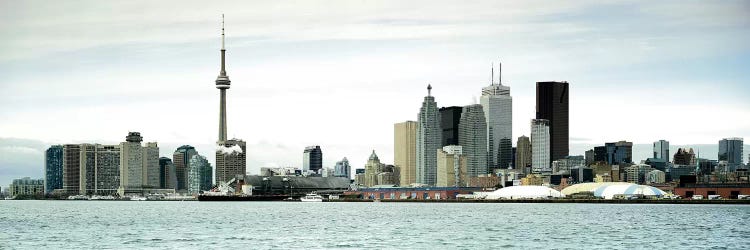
(588, 187)
(610, 191)
(524, 192)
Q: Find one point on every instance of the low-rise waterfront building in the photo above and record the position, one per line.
(26, 186)
(406, 193)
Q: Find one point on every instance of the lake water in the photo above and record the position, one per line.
(263, 225)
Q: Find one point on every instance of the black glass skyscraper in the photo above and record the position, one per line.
(312, 159)
(552, 105)
(449, 119)
(53, 169)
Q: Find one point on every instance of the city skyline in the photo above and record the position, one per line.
(131, 88)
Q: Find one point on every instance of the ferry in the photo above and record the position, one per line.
(312, 197)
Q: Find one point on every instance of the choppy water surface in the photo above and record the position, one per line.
(259, 225)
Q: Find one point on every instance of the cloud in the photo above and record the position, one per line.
(234, 149)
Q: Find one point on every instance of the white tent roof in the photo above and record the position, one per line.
(609, 191)
(523, 192)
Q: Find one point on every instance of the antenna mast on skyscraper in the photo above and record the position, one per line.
(500, 73)
(492, 75)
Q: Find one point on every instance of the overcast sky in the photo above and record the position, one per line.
(340, 73)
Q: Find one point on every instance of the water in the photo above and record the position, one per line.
(264, 225)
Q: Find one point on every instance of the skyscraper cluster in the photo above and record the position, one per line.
(484, 134)
(88, 169)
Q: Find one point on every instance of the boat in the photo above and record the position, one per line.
(101, 197)
(137, 198)
(78, 197)
(312, 197)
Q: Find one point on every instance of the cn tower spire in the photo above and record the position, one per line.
(222, 83)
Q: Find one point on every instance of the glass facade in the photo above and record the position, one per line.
(199, 174)
(552, 105)
(53, 168)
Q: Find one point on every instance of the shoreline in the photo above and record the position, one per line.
(589, 201)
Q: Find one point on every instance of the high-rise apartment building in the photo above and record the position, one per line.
(452, 169)
(552, 105)
(498, 110)
(107, 167)
(53, 168)
(231, 160)
(91, 169)
(87, 169)
(139, 165)
(661, 150)
(405, 151)
(200, 174)
(428, 140)
(151, 165)
(473, 139)
(71, 166)
(343, 169)
(523, 152)
(131, 162)
(540, 146)
(312, 159)
(449, 119)
(730, 150)
(180, 159)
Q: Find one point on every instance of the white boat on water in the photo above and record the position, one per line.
(313, 197)
(137, 198)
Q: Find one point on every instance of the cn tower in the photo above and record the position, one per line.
(222, 83)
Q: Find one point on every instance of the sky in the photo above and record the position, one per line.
(339, 74)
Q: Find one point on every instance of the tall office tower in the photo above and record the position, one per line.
(107, 177)
(167, 173)
(180, 159)
(523, 152)
(498, 111)
(452, 167)
(472, 137)
(343, 169)
(730, 150)
(372, 169)
(684, 156)
(589, 157)
(53, 168)
(449, 119)
(513, 160)
(405, 151)
(552, 105)
(540, 146)
(200, 174)
(131, 164)
(312, 159)
(600, 154)
(71, 167)
(619, 152)
(151, 165)
(428, 140)
(231, 160)
(661, 150)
